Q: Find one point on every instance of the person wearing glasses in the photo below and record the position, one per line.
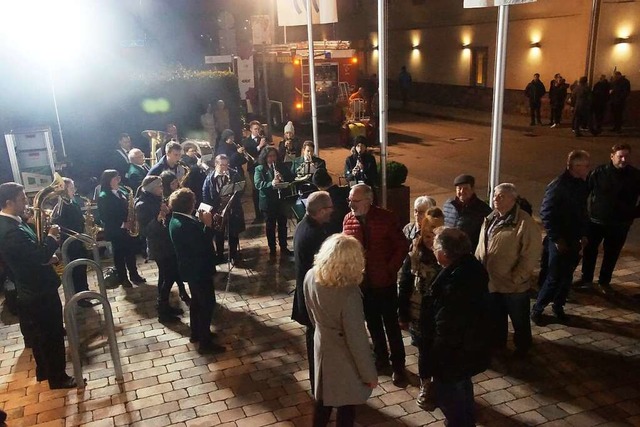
(385, 247)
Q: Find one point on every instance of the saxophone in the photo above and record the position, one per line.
(134, 231)
(90, 227)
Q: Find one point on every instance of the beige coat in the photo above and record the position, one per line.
(342, 354)
(511, 252)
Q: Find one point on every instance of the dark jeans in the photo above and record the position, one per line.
(203, 299)
(425, 365)
(234, 242)
(381, 314)
(270, 220)
(534, 108)
(42, 320)
(556, 113)
(254, 193)
(516, 307)
(168, 274)
(599, 111)
(580, 119)
(455, 400)
(559, 275)
(124, 254)
(612, 238)
(345, 415)
(79, 274)
(617, 111)
(309, 333)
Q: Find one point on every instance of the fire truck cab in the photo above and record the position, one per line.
(288, 84)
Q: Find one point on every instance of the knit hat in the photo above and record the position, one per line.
(321, 178)
(464, 179)
(289, 127)
(226, 134)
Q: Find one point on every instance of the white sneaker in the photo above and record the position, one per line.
(554, 125)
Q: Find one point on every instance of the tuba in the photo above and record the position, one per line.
(55, 189)
(156, 137)
(134, 231)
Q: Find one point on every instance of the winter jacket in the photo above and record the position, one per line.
(613, 194)
(467, 217)
(157, 233)
(509, 248)
(384, 244)
(456, 326)
(535, 90)
(564, 208)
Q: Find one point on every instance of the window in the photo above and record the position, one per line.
(479, 64)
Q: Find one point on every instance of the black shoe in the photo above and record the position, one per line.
(138, 280)
(583, 284)
(536, 317)
(605, 288)
(561, 315)
(193, 338)
(286, 251)
(520, 354)
(126, 283)
(85, 303)
(66, 382)
(40, 376)
(184, 296)
(272, 251)
(532, 124)
(383, 367)
(176, 311)
(211, 349)
(167, 318)
(399, 378)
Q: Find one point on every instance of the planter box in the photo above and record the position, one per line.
(398, 202)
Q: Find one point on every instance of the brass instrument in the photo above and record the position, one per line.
(359, 166)
(246, 155)
(91, 229)
(134, 231)
(187, 172)
(55, 189)
(156, 137)
(220, 216)
(306, 168)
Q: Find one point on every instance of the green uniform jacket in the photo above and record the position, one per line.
(28, 260)
(268, 198)
(193, 243)
(113, 212)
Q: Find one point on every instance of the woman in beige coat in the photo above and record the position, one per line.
(344, 373)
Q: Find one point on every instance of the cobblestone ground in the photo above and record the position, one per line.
(582, 375)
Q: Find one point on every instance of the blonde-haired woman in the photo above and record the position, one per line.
(344, 372)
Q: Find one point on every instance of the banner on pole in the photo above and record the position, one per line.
(491, 3)
(294, 12)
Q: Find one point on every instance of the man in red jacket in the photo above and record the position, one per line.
(385, 248)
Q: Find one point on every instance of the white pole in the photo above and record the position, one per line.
(55, 107)
(382, 94)
(498, 97)
(312, 79)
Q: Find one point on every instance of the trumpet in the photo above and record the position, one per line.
(246, 155)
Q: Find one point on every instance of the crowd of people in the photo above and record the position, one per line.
(452, 278)
(589, 105)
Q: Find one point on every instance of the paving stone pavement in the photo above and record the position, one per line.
(583, 374)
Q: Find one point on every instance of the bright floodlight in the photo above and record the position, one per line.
(52, 30)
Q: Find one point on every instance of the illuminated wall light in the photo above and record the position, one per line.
(621, 40)
(416, 47)
(535, 45)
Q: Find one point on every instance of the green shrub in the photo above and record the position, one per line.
(396, 174)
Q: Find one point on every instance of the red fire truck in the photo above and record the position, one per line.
(286, 68)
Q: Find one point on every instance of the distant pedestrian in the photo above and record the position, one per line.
(557, 99)
(614, 189)
(552, 87)
(581, 104)
(535, 90)
(599, 103)
(405, 81)
(620, 89)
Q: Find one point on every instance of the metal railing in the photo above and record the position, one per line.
(71, 301)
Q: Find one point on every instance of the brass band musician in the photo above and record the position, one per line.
(170, 161)
(138, 169)
(113, 207)
(360, 166)
(290, 147)
(220, 176)
(236, 153)
(68, 215)
(171, 135)
(306, 165)
(269, 175)
(153, 215)
(254, 144)
(196, 175)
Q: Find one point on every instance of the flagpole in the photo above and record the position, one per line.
(498, 97)
(382, 95)
(312, 79)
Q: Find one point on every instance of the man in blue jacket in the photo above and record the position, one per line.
(565, 219)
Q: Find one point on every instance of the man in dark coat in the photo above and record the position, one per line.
(466, 211)
(220, 176)
(614, 189)
(385, 248)
(599, 102)
(557, 99)
(307, 239)
(565, 219)
(456, 326)
(620, 89)
(37, 283)
(119, 158)
(235, 154)
(581, 104)
(339, 196)
(253, 145)
(535, 90)
(138, 169)
(192, 240)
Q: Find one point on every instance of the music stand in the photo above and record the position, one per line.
(233, 189)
